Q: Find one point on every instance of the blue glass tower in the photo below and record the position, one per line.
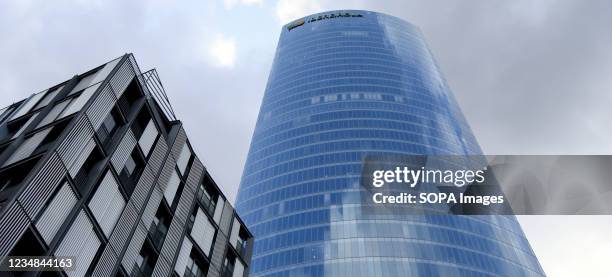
(345, 84)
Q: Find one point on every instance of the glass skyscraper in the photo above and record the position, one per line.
(346, 84)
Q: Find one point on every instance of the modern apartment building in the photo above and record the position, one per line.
(345, 85)
(98, 168)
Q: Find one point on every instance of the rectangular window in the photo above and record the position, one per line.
(80, 159)
(196, 265)
(56, 212)
(129, 98)
(107, 203)
(27, 105)
(23, 126)
(229, 264)
(77, 104)
(130, 165)
(160, 225)
(131, 170)
(203, 231)
(181, 260)
(208, 195)
(234, 233)
(53, 113)
(28, 245)
(219, 209)
(48, 97)
(4, 112)
(123, 151)
(238, 269)
(145, 262)
(83, 83)
(84, 177)
(27, 147)
(183, 158)
(12, 177)
(140, 123)
(172, 187)
(102, 73)
(148, 138)
(239, 237)
(109, 127)
(80, 241)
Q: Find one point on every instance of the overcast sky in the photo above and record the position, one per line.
(532, 77)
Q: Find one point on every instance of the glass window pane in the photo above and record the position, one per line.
(48, 97)
(183, 158)
(107, 203)
(28, 104)
(78, 103)
(52, 115)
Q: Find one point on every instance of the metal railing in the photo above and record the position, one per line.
(157, 91)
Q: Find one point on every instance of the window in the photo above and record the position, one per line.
(159, 226)
(77, 103)
(56, 212)
(25, 125)
(28, 146)
(48, 98)
(17, 127)
(219, 209)
(239, 237)
(183, 158)
(80, 241)
(232, 267)
(109, 127)
(85, 174)
(129, 98)
(83, 83)
(145, 262)
(183, 256)
(208, 195)
(11, 178)
(55, 132)
(130, 165)
(131, 170)
(27, 105)
(4, 112)
(202, 230)
(53, 113)
(107, 203)
(171, 188)
(141, 122)
(196, 265)
(28, 245)
(148, 138)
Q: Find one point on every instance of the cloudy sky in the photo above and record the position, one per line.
(532, 77)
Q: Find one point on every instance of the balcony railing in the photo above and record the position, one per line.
(157, 91)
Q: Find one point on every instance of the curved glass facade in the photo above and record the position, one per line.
(345, 84)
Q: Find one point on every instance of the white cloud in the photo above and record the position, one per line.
(288, 10)
(229, 4)
(222, 50)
